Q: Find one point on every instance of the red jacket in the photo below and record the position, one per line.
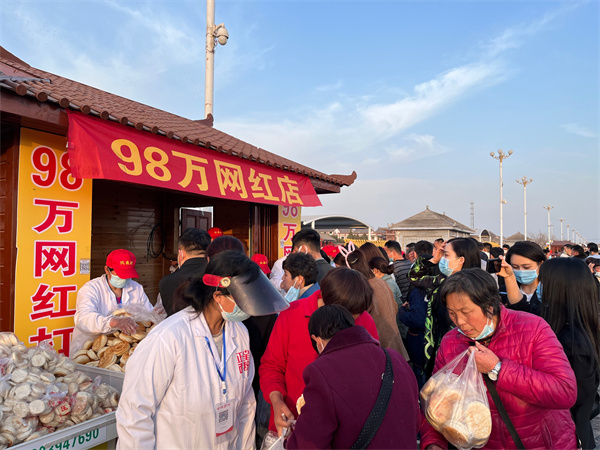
(290, 350)
(536, 384)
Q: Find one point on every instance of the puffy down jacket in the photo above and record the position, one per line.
(536, 384)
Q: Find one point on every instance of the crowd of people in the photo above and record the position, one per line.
(329, 347)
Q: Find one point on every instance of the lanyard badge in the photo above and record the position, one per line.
(222, 375)
(224, 410)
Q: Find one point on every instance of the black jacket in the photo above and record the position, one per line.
(584, 365)
(322, 268)
(168, 285)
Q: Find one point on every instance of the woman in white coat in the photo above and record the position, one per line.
(178, 392)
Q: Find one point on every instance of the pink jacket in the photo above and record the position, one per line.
(536, 384)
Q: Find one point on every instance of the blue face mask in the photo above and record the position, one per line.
(538, 292)
(525, 277)
(236, 316)
(444, 266)
(292, 294)
(487, 331)
(116, 282)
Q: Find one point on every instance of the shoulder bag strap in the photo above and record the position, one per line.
(502, 410)
(377, 415)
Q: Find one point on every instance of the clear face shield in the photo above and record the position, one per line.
(257, 297)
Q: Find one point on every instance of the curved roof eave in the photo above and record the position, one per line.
(353, 224)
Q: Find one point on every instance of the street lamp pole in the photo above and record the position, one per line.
(548, 208)
(500, 157)
(568, 232)
(525, 181)
(214, 34)
(561, 220)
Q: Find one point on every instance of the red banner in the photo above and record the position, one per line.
(102, 149)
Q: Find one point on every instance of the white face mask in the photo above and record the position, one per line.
(487, 330)
(293, 293)
(116, 282)
(237, 315)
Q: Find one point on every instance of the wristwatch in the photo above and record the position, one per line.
(493, 374)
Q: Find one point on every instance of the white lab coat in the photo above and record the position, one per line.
(95, 302)
(172, 386)
(277, 273)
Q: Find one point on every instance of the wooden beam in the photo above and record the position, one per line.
(33, 114)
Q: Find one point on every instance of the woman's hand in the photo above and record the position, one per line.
(125, 324)
(438, 253)
(158, 309)
(485, 359)
(506, 270)
(282, 416)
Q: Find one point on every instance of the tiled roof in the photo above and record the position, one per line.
(518, 236)
(429, 219)
(19, 77)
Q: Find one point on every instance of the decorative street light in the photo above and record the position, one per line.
(525, 181)
(548, 208)
(568, 233)
(561, 220)
(214, 34)
(500, 157)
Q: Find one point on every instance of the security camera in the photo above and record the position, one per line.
(221, 34)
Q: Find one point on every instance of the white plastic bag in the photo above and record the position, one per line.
(455, 403)
(137, 312)
(273, 442)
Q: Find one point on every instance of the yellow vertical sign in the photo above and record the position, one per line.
(288, 225)
(54, 221)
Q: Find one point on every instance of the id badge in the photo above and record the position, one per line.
(224, 418)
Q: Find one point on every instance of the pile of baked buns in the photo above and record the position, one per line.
(463, 419)
(41, 392)
(113, 350)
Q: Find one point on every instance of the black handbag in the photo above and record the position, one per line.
(502, 410)
(375, 419)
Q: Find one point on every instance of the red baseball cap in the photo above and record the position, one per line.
(215, 232)
(331, 250)
(262, 261)
(123, 263)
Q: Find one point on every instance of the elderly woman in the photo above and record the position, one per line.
(189, 382)
(343, 384)
(290, 350)
(520, 354)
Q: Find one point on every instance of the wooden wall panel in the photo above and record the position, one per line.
(123, 216)
(264, 231)
(234, 219)
(9, 169)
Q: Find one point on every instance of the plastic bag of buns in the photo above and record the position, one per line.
(455, 403)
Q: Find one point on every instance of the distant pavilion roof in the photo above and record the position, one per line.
(430, 220)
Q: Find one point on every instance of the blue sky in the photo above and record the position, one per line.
(412, 95)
